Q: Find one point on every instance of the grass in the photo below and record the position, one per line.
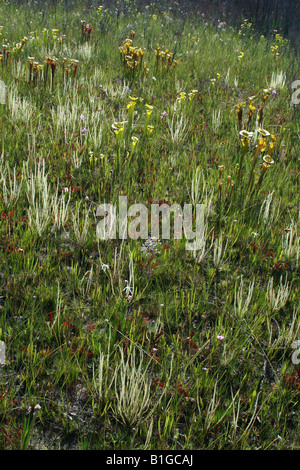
(135, 344)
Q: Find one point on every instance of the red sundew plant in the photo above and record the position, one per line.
(176, 389)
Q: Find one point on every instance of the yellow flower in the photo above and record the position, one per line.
(119, 133)
(92, 158)
(134, 141)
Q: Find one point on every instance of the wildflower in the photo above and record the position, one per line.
(93, 160)
(266, 94)
(192, 94)
(220, 337)
(268, 160)
(150, 129)
(271, 148)
(149, 112)
(246, 134)
(262, 145)
(105, 267)
(221, 168)
(82, 117)
(163, 114)
(119, 131)
(240, 114)
(117, 125)
(263, 132)
(131, 106)
(220, 184)
(128, 290)
(246, 137)
(134, 141)
(182, 97)
(75, 66)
